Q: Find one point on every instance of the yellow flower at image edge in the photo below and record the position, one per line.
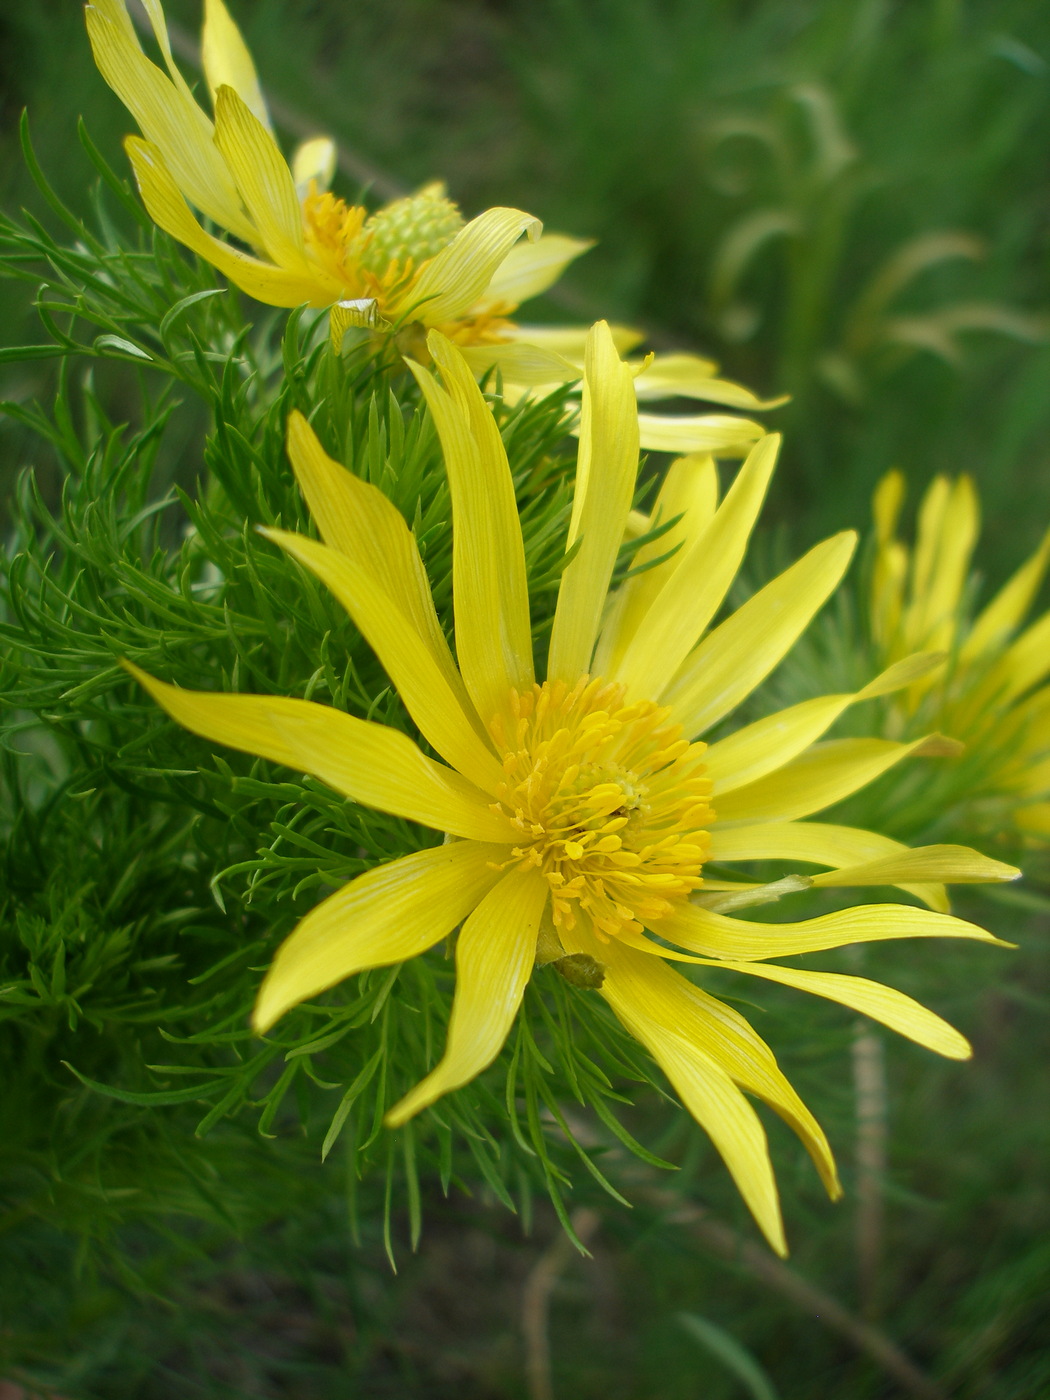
(411, 265)
(583, 807)
(993, 695)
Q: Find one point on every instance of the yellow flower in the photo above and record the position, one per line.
(412, 265)
(415, 259)
(993, 694)
(582, 809)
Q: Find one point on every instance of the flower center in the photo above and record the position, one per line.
(379, 255)
(610, 801)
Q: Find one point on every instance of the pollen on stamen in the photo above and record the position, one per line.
(610, 801)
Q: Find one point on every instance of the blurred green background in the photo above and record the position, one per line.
(849, 203)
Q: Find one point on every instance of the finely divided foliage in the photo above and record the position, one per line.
(513, 696)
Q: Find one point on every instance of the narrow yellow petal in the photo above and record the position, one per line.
(817, 843)
(688, 376)
(495, 953)
(1028, 660)
(823, 775)
(767, 744)
(689, 599)
(883, 1004)
(571, 341)
(522, 364)
(886, 505)
(227, 62)
(606, 468)
(167, 208)
(530, 268)
(1035, 820)
(928, 534)
(167, 116)
(155, 14)
(948, 526)
(357, 519)
(889, 576)
(371, 763)
(720, 936)
(674, 1021)
(1008, 608)
(890, 571)
(264, 181)
(727, 666)
(490, 588)
(455, 280)
(688, 495)
(387, 915)
(949, 865)
(719, 433)
(314, 162)
(405, 657)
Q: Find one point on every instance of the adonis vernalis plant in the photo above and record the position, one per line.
(582, 815)
(992, 695)
(412, 265)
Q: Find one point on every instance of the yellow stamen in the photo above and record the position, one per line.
(610, 801)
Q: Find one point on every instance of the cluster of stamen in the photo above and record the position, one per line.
(377, 257)
(610, 801)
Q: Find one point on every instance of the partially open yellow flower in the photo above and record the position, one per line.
(993, 694)
(412, 265)
(414, 259)
(583, 810)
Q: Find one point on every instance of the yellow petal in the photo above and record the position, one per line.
(928, 534)
(495, 953)
(263, 180)
(950, 865)
(357, 519)
(490, 589)
(530, 268)
(261, 280)
(769, 743)
(719, 433)
(1008, 608)
(522, 364)
(884, 1004)
(688, 495)
(370, 763)
(886, 505)
(453, 281)
(1034, 819)
(741, 652)
(167, 116)
(1027, 661)
(889, 575)
(822, 776)
(405, 657)
(606, 468)
(717, 935)
(314, 163)
(688, 376)
(387, 915)
(227, 62)
(818, 843)
(948, 526)
(571, 341)
(673, 1020)
(689, 599)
